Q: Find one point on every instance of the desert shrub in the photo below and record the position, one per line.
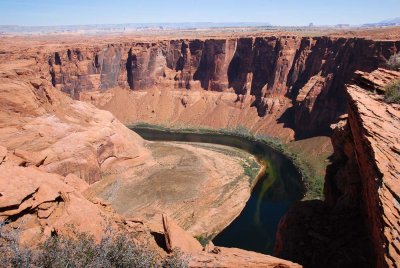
(81, 250)
(11, 253)
(203, 239)
(394, 62)
(392, 92)
(176, 260)
(240, 130)
(66, 252)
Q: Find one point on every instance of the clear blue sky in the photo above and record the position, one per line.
(277, 12)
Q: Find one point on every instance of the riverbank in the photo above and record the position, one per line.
(311, 166)
(277, 187)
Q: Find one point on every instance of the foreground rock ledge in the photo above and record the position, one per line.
(212, 256)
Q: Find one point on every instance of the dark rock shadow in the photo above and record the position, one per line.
(160, 240)
(314, 235)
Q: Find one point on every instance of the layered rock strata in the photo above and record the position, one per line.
(51, 149)
(361, 208)
(308, 73)
(375, 133)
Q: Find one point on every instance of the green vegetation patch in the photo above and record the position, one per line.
(204, 239)
(251, 169)
(392, 92)
(394, 62)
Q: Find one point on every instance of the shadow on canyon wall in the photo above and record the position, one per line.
(310, 72)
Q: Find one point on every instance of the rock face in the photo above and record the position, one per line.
(375, 134)
(312, 72)
(316, 235)
(40, 203)
(51, 148)
(176, 237)
(361, 208)
(50, 131)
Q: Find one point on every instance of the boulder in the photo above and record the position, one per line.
(177, 238)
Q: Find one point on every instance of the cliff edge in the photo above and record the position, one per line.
(358, 223)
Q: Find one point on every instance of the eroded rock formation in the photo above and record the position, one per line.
(361, 209)
(374, 128)
(60, 135)
(51, 148)
(312, 72)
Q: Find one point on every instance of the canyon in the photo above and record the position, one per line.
(298, 82)
(75, 145)
(65, 106)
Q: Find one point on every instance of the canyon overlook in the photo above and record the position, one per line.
(71, 160)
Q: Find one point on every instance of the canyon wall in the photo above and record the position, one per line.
(361, 211)
(365, 173)
(308, 73)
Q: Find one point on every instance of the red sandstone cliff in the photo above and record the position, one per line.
(370, 176)
(360, 215)
(51, 148)
(312, 72)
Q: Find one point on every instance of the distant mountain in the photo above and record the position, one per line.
(388, 22)
(129, 27)
(395, 20)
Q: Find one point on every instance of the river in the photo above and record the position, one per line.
(275, 190)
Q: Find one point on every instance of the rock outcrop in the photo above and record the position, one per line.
(312, 72)
(177, 239)
(375, 130)
(52, 148)
(41, 204)
(234, 257)
(59, 135)
(361, 208)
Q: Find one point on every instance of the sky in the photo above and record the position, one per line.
(276, 12)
